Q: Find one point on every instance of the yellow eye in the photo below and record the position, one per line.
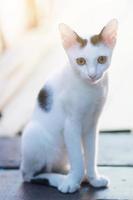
(81, 61)
(102, 59)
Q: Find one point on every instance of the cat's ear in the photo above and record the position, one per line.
(70, 37)
(109, 33)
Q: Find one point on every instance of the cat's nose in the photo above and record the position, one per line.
(92, 73)
(92, 76)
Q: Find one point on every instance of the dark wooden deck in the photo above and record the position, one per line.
(115, 161)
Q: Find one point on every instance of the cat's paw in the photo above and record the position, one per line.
(99, 181)
(68, 185)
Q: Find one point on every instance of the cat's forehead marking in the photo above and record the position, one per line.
(45, 99)
(96, 39)
(81, 41)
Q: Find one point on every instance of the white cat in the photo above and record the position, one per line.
(63, 128)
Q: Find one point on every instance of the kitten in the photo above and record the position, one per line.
(63, 128)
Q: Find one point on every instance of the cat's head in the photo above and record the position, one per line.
(90, 57)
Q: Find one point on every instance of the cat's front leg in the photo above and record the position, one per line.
(72, 137)
(90, 149)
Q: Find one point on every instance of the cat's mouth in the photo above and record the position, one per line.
(95, 79)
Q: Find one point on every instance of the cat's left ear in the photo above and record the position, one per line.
(109, 33)
(70, 37)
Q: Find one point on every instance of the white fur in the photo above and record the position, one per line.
(67, 135)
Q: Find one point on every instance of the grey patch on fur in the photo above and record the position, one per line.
(45, 98)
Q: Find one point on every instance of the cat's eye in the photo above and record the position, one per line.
(81, 61)
(102, 59)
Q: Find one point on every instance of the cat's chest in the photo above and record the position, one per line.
(81, 101)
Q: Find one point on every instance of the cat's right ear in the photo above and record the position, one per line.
(68, 36)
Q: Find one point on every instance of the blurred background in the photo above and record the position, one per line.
(30, 49)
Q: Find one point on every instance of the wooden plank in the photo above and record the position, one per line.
(32, 14)
(9, 153)
(12, 187)
(115, 150)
